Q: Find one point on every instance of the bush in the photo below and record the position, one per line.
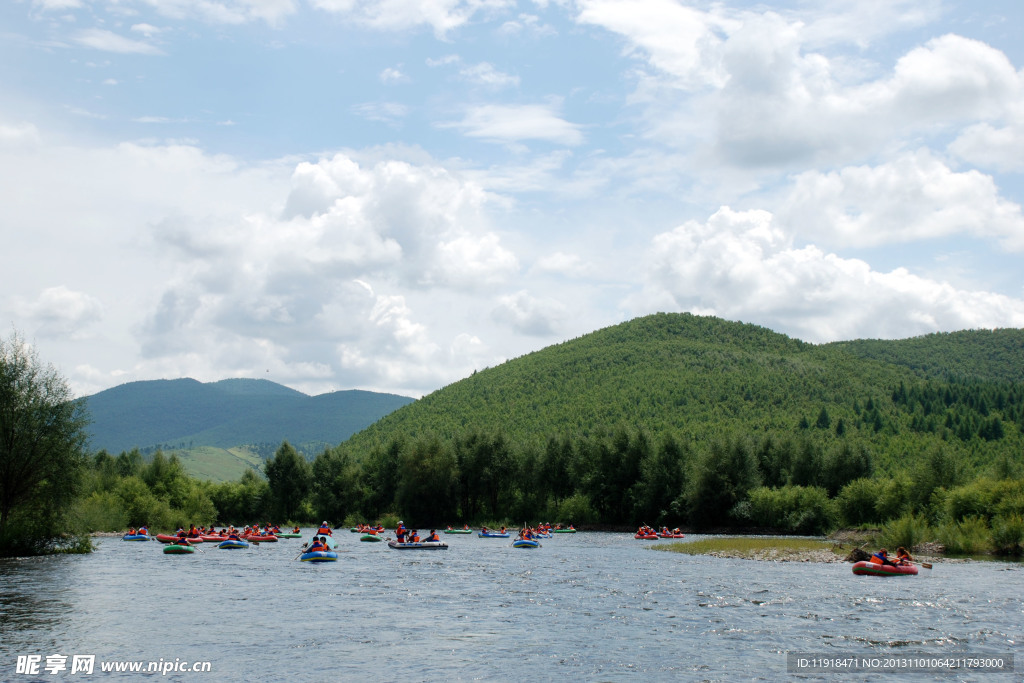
(907, 531)
(799, 509)
(574, 510)
(1008, 534)
(893, 497)
(856, 502)
(101, 511)
(967, 537)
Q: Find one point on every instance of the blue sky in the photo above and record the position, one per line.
(388, 195)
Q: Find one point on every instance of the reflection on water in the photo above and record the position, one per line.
(584, 607)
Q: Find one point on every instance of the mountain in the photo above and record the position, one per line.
(702, 377)
(185, 413)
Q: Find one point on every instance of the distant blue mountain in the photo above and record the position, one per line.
(185, 413)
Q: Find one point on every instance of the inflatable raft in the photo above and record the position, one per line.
(876, 569)
(371, 538)
(525, 543)
(423, 545)
(289, 535)
(319, 556)
(175, 549)
(168, 538)
(232, 544)
(458, 531)
(646, 537)
(493, 534)
(135, 537)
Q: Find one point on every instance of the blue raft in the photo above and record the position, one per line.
(319, 556)
(232, 544)
(525, 543)
(135, 537)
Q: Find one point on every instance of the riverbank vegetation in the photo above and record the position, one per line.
(672, 420)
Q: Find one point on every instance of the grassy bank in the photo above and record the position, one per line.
(772, 548)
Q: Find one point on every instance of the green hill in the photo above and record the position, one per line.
(702, 377)
(186, 414)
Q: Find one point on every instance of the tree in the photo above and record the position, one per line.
(289, 476)
(42, 441)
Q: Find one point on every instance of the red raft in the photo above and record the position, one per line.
(876, 569)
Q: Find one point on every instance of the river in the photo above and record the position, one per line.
(586, 607)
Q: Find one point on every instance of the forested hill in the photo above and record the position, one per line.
(975, 355)
(701, 377)
(185, 413)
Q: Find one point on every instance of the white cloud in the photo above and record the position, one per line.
(530, 315)
(59, 311)
(108, 41)
(991, 147)
(272, 12)
(393, 75)
(387, 112)
(443, 16)
(514, 123)
(741, 266)
(913, 198)
(485, 74)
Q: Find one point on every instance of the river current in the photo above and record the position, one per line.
(588, 607)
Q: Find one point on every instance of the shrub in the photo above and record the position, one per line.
(907, 531)
(575, 510)
(800, 509)
(967, 537)
(856, 502)
(1008, 534)
(101, 511)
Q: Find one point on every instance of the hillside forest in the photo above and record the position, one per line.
(671, 419)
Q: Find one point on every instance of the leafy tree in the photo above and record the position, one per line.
(428, 482)
(336, 489)
(289, 476)
(42, 436)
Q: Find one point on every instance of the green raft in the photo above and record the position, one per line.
(175, 549)
(371, 538)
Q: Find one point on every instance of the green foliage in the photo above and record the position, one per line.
(336, 490)
(289, 476)
(798, 509)
(1008, 534)
(907, 531)
(855, 503)
(100, 511)
(722, 476)
(428, 483)
(42, 439)
(575, 509)
(968, 537)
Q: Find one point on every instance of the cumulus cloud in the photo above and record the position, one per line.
(59, 311)
(754, 89)
(108, 41)
(742, 266)
(1000, 148)
(514, 123)
(443, 16)
(915, 197)
(272, 12)
(530, 315)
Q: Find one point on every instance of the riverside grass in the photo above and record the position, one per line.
(758, 548)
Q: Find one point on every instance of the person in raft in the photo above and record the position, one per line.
(433, 537)
(902, 556)
(317, 546)
(143, 531)
(400, 533)
(325, 529)
(233, 537)
(296, 530)
(882, 557)
(414, 536)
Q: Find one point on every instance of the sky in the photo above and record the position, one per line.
(392, 194)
